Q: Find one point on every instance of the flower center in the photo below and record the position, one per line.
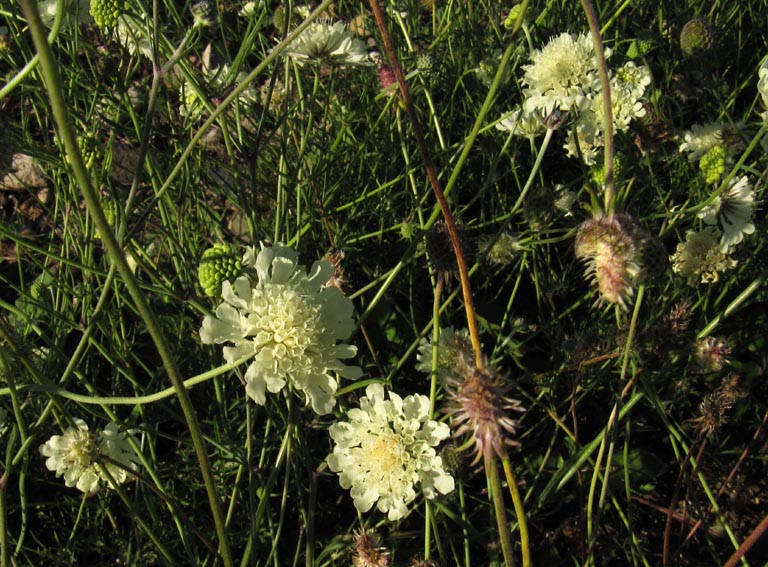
(387, 453)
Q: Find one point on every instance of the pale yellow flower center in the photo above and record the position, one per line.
(387, 453)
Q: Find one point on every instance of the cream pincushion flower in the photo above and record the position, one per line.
(562, 74)
(74, 455)
(732, 211)
(700, 139)
(289, 322)
(385, 448)
(324, 42)
(700, 258)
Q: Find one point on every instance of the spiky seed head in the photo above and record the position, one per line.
(609, 245)
(219, 263)
(368, 552)
(203, 13)
(479, 405)
(440, 248)
(598, 173)
(696, 38)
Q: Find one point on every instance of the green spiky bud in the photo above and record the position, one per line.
(106, 12)
(513, 16)
(696, 38)
(425, 63)
(640, 47)
(87, 146)
(219, 263)
(712, 163)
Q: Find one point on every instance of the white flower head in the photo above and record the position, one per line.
(700, 139)
(762, 82)
(75, 12)
(75, 454)
(732, 211)
(521, 123)
(562, 74)
(385, 448)
(325, 42)
(700, 258)
(289, 322)
(133, 33)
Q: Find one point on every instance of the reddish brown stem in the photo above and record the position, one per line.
(418, 135)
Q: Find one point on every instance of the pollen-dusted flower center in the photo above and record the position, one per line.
(286, 322)
(80, 452)
(387, 453)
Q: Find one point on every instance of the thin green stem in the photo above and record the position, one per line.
(50, 72)
(494, 481)
(517, 501)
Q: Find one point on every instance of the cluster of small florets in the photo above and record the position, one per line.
(563, 80)
(106, 12)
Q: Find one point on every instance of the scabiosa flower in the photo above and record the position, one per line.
(75, 12)
(452, 344)
(700, 258)
(610, 247)
(324, 42)
(711, 354)
(700, 139)
(521, 123)
(134, 35)
(562, 74)
(712, 163)
(289, 322)
(385, 448)
(762, 81)
(502, 250)
(732, 212)
(74, 455)
(479, 405)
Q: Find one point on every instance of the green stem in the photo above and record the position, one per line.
(492, 473)
(50, 72)
(517, 501)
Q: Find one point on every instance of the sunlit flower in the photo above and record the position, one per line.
(521, 123)
(762, 82)
(732, 211)
(387, 447)
(75, 454)
(700, 139)
(289, 322)
(324, 42)
(451, 344)
(700, 258)
(133, 33)
(74, 12)
(562, 74)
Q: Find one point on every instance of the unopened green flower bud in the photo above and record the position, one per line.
(712, 163)
(106, 12)
(219, 263)
(696, 38)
